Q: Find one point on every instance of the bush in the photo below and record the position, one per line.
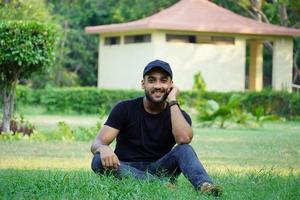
(92, 100)
(89, 100)
(19, 127)
(282, 103)
(66, 133)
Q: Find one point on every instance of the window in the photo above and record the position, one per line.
(200, 39)
(137, 38)
(222, 40)
(204, 39)
(181, 38)
(112, 40)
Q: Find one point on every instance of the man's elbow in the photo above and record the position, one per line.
(184, 139)
(92, 148)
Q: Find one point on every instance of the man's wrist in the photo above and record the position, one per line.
(100, 148)
(172, 103)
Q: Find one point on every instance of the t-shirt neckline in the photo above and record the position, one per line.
(150, 114)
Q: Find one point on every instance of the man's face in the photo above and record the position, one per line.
(156, 84)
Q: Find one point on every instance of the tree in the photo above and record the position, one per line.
(25, 48)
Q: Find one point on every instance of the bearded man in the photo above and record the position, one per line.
(152, 136)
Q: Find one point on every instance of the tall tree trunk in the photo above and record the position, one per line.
(6, 110)
(8, 106)
(283, 14)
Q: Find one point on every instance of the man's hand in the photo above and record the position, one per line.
(109, 159)
(173, 92)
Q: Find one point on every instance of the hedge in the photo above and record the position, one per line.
(79, 99)
(91, 100)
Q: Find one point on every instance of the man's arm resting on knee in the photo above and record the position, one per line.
(101, 144)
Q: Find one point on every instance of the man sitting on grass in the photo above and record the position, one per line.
(147, 128)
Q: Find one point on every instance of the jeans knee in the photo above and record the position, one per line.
(184, 148)
(96, 164)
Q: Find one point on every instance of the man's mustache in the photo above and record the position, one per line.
(158, 90)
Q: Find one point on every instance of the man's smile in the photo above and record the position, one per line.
(158, 93)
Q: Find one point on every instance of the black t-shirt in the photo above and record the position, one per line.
(143, 136)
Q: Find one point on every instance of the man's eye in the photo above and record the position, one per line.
(151, 80)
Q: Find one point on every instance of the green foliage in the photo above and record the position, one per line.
(260, 117)
(25, 10)
(20, 128)
(66, 133)
(28, 96)
(213, 112)
(199, 83)
(94, 100)
(79, 99)
(9, 136)
(273, 102)
(25, 48)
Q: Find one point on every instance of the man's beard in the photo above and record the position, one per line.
(152, 100)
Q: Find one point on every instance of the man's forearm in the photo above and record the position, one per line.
(180, 127)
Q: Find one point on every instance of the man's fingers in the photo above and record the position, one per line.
(103, 162)
(116, 162)
(110, 162)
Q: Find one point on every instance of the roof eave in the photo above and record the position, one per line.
(109, 29)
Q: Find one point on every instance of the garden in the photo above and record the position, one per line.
(52, 111)
(254, 160)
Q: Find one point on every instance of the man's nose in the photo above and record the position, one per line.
(157, 84)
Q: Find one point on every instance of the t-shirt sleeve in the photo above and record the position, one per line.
(117, 116)
(187, 117)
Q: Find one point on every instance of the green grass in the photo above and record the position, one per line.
(262, 163)
(53, 184)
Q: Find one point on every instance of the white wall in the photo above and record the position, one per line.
(282, 64)
(222, 66)
(121, 66)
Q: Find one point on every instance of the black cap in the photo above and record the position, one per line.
(158, 64)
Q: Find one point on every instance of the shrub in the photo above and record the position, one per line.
(19, 126)
(66, 133)
(79, 99)
(211, 112)
(93, 100)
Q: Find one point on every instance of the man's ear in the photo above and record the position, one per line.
(143, 84)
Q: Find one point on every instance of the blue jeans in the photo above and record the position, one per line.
(182, 158)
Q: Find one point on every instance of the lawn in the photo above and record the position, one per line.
(261, 163)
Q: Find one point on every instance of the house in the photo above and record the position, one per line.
(193, 36)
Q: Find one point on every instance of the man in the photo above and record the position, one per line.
(146, 129)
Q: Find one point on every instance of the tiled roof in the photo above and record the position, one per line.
(199, 16)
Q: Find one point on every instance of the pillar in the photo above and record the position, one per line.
(256, 65)
(282, 72)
